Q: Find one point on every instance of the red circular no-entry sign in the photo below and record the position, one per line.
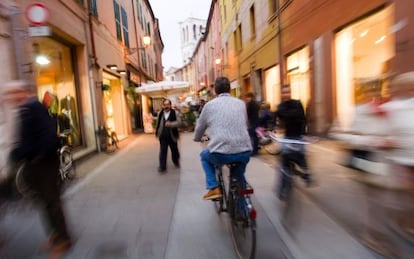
(37, 14)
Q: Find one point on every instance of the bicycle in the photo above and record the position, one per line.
(67, 169)
(237, 203)
(108, 139)
(293, 149)
(265, 142)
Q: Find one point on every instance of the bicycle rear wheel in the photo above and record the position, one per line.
(242, 227)
(22, 184)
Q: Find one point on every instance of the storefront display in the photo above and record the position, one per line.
(115, 108)
(364, 51)
(298, 75)
(56, 86)
(272, 87)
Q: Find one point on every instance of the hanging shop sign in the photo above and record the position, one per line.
(37, 31)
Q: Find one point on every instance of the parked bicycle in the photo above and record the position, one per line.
(67, 168)
(108, 139)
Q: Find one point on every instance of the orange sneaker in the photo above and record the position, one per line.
(213, 194)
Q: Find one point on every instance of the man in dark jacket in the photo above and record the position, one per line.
(166, 131)
(37, 145)
(291, 116)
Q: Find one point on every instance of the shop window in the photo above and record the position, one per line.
(364, 51)
(56, 85)
(272, 87)
(298, 75)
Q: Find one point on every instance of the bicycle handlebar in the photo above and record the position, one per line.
(288, 141)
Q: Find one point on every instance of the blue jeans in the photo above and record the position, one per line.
(210, 160)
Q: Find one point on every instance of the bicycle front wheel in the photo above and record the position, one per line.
(242, 228)
(67, 166)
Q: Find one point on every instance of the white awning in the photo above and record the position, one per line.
(163, 88)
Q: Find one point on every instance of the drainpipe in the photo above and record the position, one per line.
(17, 32)
(92, 63)
(279, 38)
(279, 31)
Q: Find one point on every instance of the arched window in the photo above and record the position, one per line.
(194, 31)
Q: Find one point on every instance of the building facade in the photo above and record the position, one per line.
(329, 65)
(86, 58)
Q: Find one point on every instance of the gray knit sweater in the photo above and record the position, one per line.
(224, 120)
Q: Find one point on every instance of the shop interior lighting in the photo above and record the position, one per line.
(112, 67)
(42, 60)
(146, 40)
(218, 61)
(380, 39)
(363, 34)
(122, 72)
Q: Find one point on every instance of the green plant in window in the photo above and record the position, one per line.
(106, 87)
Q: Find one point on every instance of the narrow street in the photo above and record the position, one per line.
(121, 207)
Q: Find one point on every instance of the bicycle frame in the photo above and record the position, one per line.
(233, 187)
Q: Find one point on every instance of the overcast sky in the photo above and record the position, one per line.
(169, 14)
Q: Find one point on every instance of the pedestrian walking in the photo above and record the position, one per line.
(253, 120)
(168, 122)
(36, 144)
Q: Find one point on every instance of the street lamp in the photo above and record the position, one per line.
(146, 41)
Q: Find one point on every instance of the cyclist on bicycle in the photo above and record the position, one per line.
(224, 119)
(291, 116)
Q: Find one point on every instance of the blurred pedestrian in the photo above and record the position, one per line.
(253, 120)
(266, 121)
(166, 131)
(37, 145)
(292, 118)
(201, 106)
(370, 122)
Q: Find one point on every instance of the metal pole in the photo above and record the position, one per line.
(279, 37)
(17, 32)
